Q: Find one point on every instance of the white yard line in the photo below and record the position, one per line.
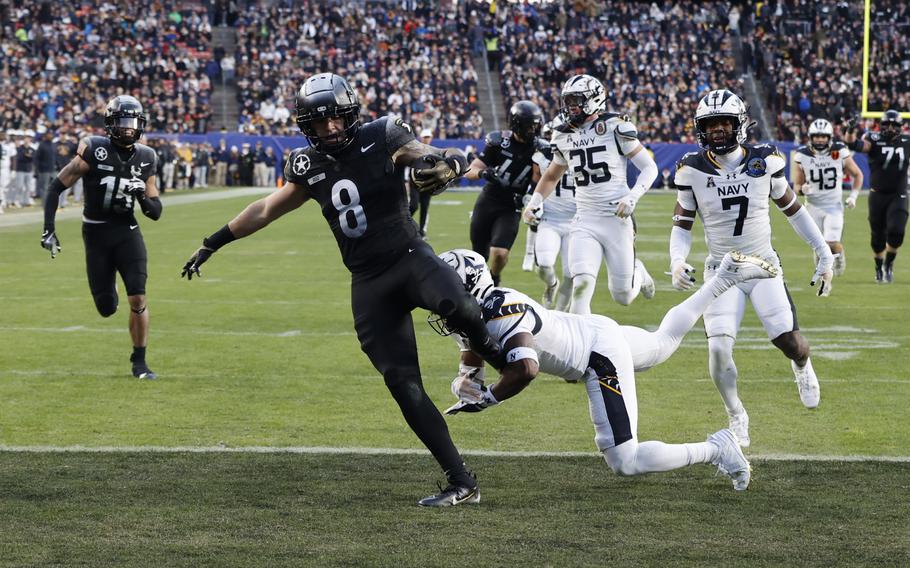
(327, 450)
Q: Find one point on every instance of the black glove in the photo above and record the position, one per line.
(489, 175)
(192, 265)
(50, 242)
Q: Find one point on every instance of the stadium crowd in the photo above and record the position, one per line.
(412, 61)
(62, 61)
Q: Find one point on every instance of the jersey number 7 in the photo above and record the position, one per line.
(742, 202)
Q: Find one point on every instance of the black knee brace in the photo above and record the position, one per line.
(106, 304)
(895, 238)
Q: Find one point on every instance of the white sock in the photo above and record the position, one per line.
(653, 456)
(723, 371)
(564, 293)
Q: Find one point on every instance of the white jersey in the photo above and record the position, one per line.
(824, 174)
(595, 156)
(563, 342)
(559, 207)
(733, 205)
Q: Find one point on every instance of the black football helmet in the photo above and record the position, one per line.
(891, 124)
(525, 120)
(124, 120)
(328, 96)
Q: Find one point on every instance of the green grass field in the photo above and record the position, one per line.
(261, 352)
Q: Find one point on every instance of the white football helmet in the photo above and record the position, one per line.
(471, 269)
(721, 102)
(585, 94)
(821, 127)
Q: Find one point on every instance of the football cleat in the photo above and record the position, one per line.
(740, 267)
(142, 371)
(549, 296)
(739, 423)
(840, 264)
(451, 496)
(730, 459)
(807, 383)
(889, 274)
(647, 283)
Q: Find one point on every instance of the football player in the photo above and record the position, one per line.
(552, 221)
(889, 155)
(731, 184)
(823, 162)
(602, 353)
(354, 173)
(508, 170)
(117, 173)
(595, 146)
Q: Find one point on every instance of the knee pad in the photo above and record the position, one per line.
(405, 386)
(582, 282)
(106, 304)
(621, 458)
(622, 297)
(895, 238)
(459, 313)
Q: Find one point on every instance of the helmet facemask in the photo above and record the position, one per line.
(328, 96)
(719, 140)
(124, 120)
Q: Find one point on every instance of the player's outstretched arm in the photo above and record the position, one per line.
(856, 175)
(521, 368)
(256, 216)
(70, 174)
(808, 231)
(852, 138)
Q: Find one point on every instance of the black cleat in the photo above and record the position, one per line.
(451, 496)
(142, 371)
(889, 274)
(879, 275)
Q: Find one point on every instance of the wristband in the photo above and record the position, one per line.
(219, 238)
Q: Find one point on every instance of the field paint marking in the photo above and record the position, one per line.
(329, 450)
(430, 376)
(75, 212)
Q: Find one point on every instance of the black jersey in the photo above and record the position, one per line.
(361, 193)
(888, 161)
(512, 161)
(111, 168)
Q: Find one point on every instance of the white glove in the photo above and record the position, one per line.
(851, 201)
(486, 400)
(823, 273)
(134, 187)
(532, 216)
(625, 206)
(467, 387)
(682, 275)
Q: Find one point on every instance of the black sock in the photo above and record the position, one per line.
(495, 279)
(461, 476)
(878, 263)
(427, 422)
(138, 355)
(889, 258)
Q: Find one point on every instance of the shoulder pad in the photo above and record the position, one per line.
(541, 145)
(804, 150)
(563, 127)
(627, 130)
(399, 122)
(494, 138)
(687, 159)
(838, 145)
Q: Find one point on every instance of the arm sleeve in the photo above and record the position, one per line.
(647, 172)
(151, 207)
(808, 231)
(51, 202)
(680, 245)
(779, 187)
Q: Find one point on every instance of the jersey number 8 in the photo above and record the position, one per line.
(351, 217)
